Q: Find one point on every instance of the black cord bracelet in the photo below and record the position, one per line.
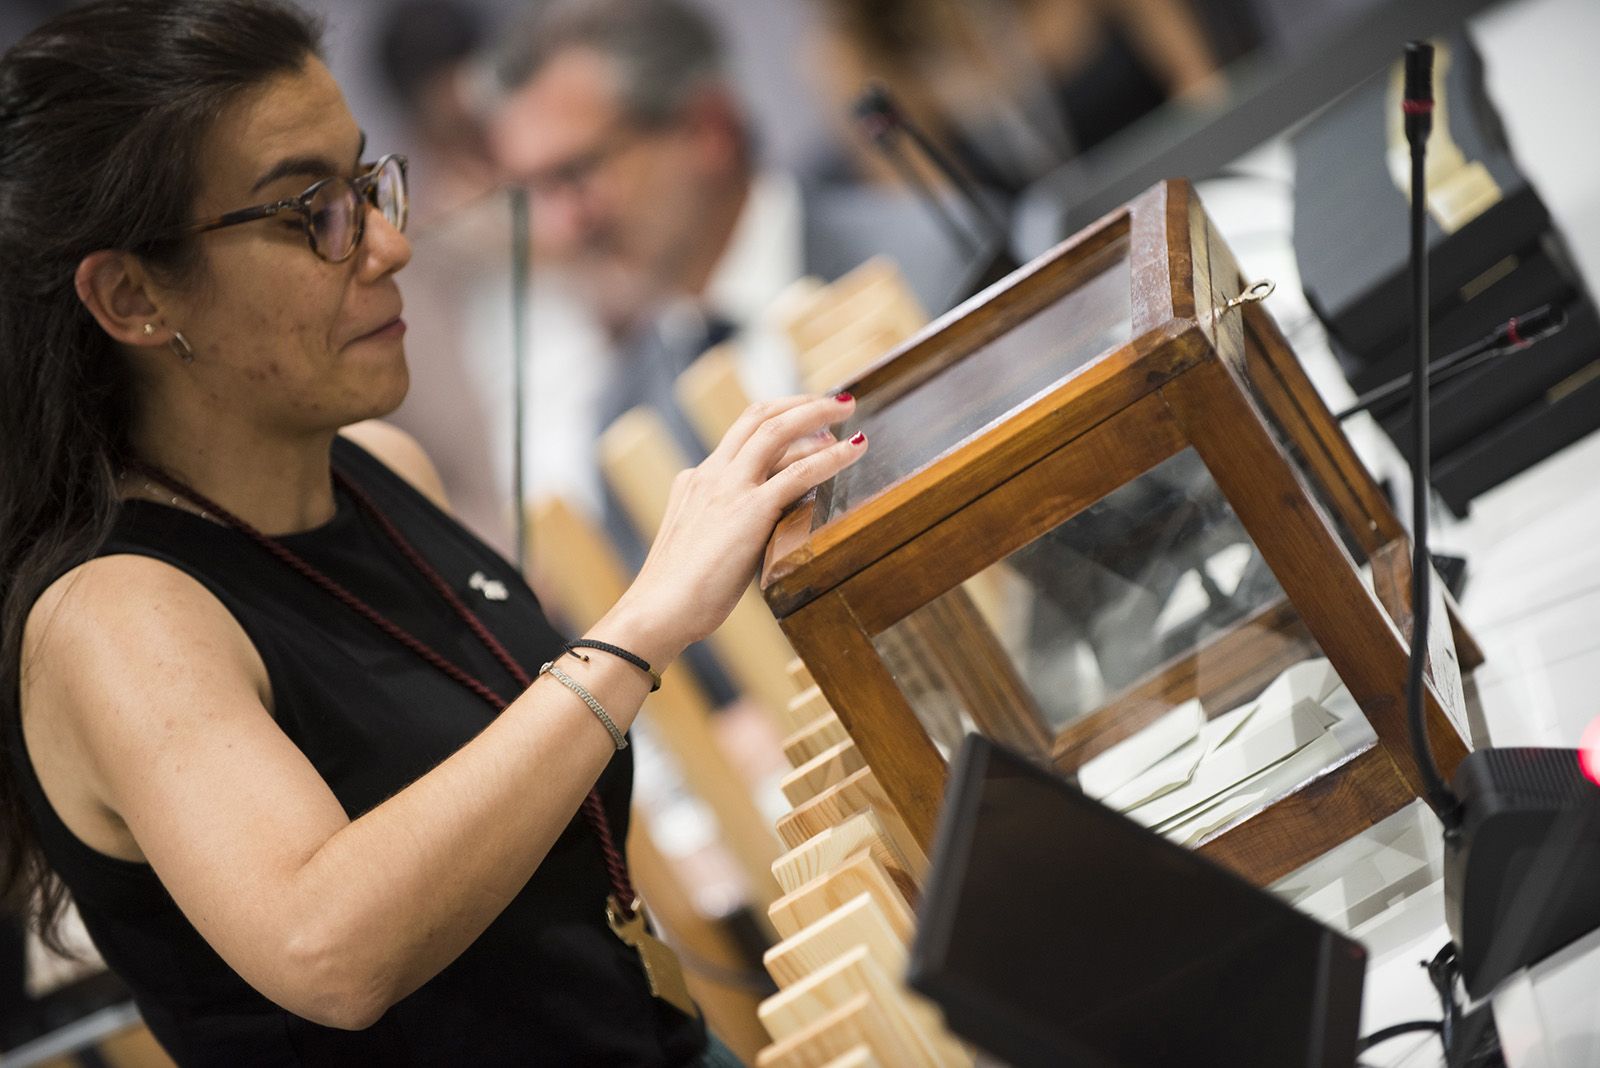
(622, 654)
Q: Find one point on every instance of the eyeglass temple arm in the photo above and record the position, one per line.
(243, 215)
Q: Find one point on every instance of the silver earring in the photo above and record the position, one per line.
(180, 345)
(149, 329)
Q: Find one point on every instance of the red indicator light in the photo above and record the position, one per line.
(1589, 752)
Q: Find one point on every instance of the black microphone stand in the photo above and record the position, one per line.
(1418, 106)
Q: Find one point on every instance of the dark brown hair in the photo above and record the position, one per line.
(103, 112)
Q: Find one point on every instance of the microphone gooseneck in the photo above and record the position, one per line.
(878, 119)
(877, 106)
(1418, 111)
(1516, 334)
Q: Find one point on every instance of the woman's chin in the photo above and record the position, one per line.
(383, 387)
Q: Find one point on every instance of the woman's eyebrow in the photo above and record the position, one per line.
(309, 166)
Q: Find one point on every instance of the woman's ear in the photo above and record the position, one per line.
(113, 285)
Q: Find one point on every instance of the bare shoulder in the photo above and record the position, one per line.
(121, 656)
(123, 613)
(401, 453)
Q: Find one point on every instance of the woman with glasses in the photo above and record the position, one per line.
(323, 782)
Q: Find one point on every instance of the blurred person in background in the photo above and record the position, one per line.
(650, 207)
(425, 58)
(428, 54)
(1014, 88)
(620, 119)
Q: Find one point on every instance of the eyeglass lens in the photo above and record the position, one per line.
(336, 209)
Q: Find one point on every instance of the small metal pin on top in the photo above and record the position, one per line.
(1258, 291)
(492, 589)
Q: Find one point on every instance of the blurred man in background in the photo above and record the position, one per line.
(619, 119)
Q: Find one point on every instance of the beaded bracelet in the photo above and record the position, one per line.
(616, 651)
(588, 698)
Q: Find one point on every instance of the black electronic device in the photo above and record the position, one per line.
(1056, 932)
(1492, 252)
(1522, 873)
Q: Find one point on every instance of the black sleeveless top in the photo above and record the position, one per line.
(547, 983)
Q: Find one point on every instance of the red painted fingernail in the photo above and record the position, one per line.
(843, 398)
(859, 439)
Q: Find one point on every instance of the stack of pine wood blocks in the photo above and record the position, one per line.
(850, 883)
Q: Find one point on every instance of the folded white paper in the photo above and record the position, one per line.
(1126, 760)
(1245, 753)
(1176, 770)
(1350, 734)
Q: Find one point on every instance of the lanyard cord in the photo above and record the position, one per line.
(592, 808)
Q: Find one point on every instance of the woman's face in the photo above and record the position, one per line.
(281, 337)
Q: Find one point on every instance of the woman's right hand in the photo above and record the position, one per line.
(720, 516)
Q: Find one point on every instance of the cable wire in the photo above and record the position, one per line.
(1407, 1028)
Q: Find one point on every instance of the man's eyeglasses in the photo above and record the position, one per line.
(575, 175)
(333, 211)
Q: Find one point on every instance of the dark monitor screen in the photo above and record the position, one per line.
(1057, 932)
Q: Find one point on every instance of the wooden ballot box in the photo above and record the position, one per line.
(1105, 518)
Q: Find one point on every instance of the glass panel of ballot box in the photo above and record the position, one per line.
(1104, 518)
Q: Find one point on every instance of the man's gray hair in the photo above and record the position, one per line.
(664, 50)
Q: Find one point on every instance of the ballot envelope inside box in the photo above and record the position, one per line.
(1105, 519)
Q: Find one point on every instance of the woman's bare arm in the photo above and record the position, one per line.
(146, 708)
(335, 920)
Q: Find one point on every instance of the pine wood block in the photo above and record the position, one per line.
(801, 675)
(859, 792)
(843, 357)
(807, 705)
(874, 288)
(855, 1024)
(846, 335)
(917, 1029)
(869, 310)
(826, 850)
(855, 793)
(573, 561)
(640, 460)
(828, 767)
(858, 922)
(889, 299)
(814, 739)
(710, 393)
(859, 1057)
(751, 643)
(863, 872)
(802, 311)
(793, 303)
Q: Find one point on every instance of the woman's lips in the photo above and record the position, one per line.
(394, 328)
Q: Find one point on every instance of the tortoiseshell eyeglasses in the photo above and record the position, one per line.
(333, 211)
